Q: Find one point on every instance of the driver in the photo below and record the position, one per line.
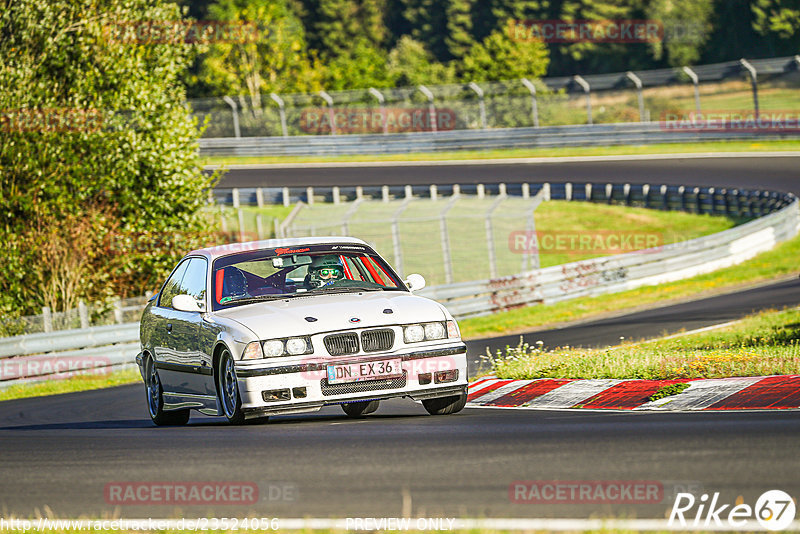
(324, 270)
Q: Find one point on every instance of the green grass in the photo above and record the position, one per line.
(663, 148)
(767, 343)
(780, 261)
(69, 385)
(668, 391)
(577, 219)
(420, 231)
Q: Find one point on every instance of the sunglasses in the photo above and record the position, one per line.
(328, 273)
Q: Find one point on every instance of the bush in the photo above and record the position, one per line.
(96, 140)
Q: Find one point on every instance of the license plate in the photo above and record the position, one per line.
(355, 372)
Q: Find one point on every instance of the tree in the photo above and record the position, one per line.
(686, 25)
(275, 61)
(499, 57)
(778, 20)
(348, 36)
(335, 27)
(459, 27)
(97, 146)
(364, 65)
(426, 19)
(411, 64)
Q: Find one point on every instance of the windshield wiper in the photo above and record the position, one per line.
(260, 298)
(343, 289)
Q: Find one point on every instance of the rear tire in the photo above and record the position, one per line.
(445, 405)
(155, 399)
(228, 389)
(360, 409)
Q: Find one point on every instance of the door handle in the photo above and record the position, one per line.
(169, 328)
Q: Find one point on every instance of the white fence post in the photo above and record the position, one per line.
(259, 227)
(240, 221)
(478, 91)
(534, 105)
(47, 319)
(278, 100)
(431, 106)
(118, 311)
(83, 313)
(445, 237)
(234, 110)
(587, 90)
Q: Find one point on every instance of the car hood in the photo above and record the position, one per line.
(285, 318)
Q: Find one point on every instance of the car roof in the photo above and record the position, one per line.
(232, 248)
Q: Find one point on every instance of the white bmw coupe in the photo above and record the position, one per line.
(288, 326)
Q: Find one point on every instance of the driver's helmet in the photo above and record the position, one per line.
(325, 270)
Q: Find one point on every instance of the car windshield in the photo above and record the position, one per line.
(289, 272)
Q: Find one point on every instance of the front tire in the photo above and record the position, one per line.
(360, 409)
(155, 399)
(228, 389)
(445, 405)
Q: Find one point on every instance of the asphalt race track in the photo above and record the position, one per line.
(62, 452)
(652, 323)
(757, 172)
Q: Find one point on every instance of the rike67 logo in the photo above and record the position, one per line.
(774, 510)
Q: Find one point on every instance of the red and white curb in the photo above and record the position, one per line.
(740, 393)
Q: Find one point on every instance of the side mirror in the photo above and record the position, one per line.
(415, 282)
(187, 303)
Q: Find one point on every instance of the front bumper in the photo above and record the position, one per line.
(303, 386)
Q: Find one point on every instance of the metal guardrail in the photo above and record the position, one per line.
(623, 272)
(104, 348)
(585, 135)
(95, 350)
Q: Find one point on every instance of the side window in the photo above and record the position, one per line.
(194, 281)
(173, 285)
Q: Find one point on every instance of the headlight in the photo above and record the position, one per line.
(273, 347)
(292, 346)
(434, 331)
(252, 351)
(296, 345)
(414, 333)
